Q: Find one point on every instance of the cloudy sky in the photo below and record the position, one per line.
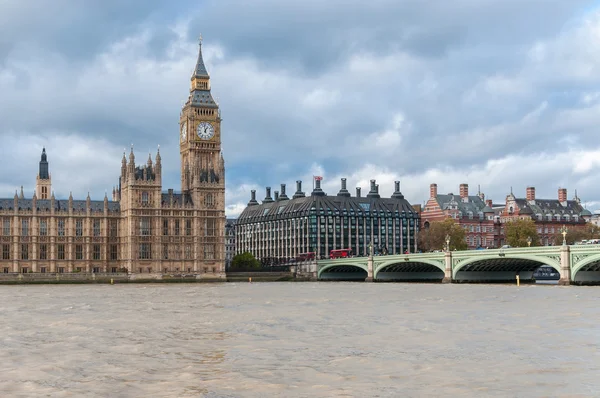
(493, 93)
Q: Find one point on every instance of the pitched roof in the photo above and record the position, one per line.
(549, 206)
(45, 205)
(474, 204)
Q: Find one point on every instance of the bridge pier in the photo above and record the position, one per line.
(369, 270)
(565, 266)
(448, 267)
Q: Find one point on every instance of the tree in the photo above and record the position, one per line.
(517, 232)
(245, 261)
(434, 237)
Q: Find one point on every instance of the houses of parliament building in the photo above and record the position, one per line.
(142, 229)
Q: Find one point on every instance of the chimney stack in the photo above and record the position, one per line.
(344, 191)
(562, 195)
(530, 194)
(464, 191)
(276, 196)
(358, 192)
(373, 193)
(268, 198)
(299, 193)
(283, 196)
(433, 190)
(488, 203)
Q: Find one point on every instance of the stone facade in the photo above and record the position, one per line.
(143, 229)
(229, 241)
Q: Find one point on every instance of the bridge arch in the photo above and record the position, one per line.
(494, 264)
(588, 264)
(340, 268)
(425, 265)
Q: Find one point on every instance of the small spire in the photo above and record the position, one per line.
(22, 196)
(200, 70)
(149, 159)
(52, 197)
(70, 195)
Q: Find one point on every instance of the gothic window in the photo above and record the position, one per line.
(25, 228)
(78, 252)
(79, 228)
(61, 252)
(113, 228)
(145, 251)
(43, 251)
(96, 227)
(208, 200)
(6, 252)
(165, 227)
(209, 252)
(176, 227)
(144, 198)
(61, 227)
(188, 227)
(188, 252)
(6, 227)
(96, 252)
(145, 226)
(24, 251)
(43, 227)
(113, 252)
(165, 252)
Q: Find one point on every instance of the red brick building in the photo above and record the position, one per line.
(472, 212)
(548, 214)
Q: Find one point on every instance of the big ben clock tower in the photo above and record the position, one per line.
(203, 169)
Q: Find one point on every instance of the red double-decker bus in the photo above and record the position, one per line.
(306, 256)
(340, 253)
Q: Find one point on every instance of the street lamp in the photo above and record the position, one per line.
(564, 231)
(370, 249)
(529, 241)
(447, 242)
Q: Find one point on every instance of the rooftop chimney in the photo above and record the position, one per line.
(283, 196)
(268, 198)
(433, 190)
(562, 195)
(358, 192)
(299, 193)
(464, 191)
(530, 194)
(252, 202)
(276, 196)
(489, 203)
(397, 194)
(343, 191)
(374, 192)
(317, 191)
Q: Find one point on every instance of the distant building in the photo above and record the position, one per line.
(280, 229)
(471, 212)
(549, 214)
(229, 241)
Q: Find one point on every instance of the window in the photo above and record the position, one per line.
(5, 252)
(61, 270)
(113, 228)
(165, 227)
(145, 226)
(79, 228)
(95, 270)
(188, 227)
(209, 227)
(43, 270)
(25, 228)
(6, 227)
(145, 251)
(208, 200)
(113, 252)
(96, 227)
(78, 252)
(61, 227)
(24, 251)
(61, 252)
(176, 227)
(43, 227)
(96, 252)
(43, 251)
(188, 252)
(145, 199)
(209, 252)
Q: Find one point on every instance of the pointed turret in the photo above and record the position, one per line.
(22, 196)
(200, 70)
(149, 163)
(43, 174)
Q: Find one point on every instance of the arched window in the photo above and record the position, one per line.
(145, 199)
(208, 200)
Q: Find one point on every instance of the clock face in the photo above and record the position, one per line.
(206, 131)
(183, 132)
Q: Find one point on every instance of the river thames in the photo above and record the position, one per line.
(299, 340)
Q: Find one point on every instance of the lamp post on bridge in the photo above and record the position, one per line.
(563, 232)
(447, 242)
(529, 241)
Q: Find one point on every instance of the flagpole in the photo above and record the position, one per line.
(313, 183)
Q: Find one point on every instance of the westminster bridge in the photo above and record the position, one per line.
(579, 264)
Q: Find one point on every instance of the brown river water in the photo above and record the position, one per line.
(299, 340)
